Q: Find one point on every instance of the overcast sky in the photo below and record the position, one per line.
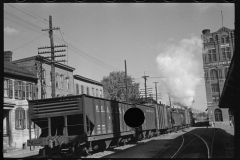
(101, 36)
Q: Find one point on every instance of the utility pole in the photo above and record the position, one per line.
(50, 30)
(145, 78)
(126, 81)
(156, 90)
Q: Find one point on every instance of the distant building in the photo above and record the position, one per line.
(19, 86)
(218, 48)
(63, 76)
(87, 86)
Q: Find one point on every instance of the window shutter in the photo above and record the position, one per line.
(23, 116)
(16, 118)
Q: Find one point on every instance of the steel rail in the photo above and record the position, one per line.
(212, 142)
(209, 156)
(180, 151)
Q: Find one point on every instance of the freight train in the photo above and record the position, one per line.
(81, 124)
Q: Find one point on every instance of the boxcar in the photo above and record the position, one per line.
(149, 127)
(176, 120)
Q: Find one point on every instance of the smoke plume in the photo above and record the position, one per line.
(180, 66)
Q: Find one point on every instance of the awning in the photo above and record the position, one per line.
(231, 90)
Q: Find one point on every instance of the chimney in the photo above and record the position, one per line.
(206, 31)
(8, 56)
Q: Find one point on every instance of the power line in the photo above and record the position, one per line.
(84, 45)
(21, 19)
(25, 22)
(28, 13)
(28, 42)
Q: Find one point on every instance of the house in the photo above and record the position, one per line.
(20, 85)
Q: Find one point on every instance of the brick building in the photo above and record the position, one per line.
(218, 49)
(88, 86)
(64, 82)
(19, 86)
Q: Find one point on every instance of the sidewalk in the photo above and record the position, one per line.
(15, 152)
(224, 142)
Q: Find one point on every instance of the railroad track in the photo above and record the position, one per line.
(194, 143)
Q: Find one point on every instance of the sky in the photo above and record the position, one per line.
(162, 41)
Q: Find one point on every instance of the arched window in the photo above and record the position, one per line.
(226, 71)
(220, 73)
(218, 115)
(213, 74)
(19, 118)
(227, 39)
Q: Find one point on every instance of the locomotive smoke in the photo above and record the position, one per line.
(180, 66)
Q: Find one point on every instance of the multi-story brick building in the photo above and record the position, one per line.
(19, 86)
(64, 84)
(87, 86)
(218, 49)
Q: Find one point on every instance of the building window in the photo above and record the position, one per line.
(100, 94)
(56, 80)
(214, 56)
(222, 40)
(27, 90)
(211, 39)
(213, 74)
(209, 57)
(87, 90)
(226, 72)
(220, 73)
(227, 39)
(5, 88)
(215, 99)
(10, 88)
(228, 52)
(35, 91)
(96, 92)
(61, 81)
(206, 75)
(30, 90)
(215, 88)
(93, 92)
(218, 115)
(19, 118)
(43, 73)
(19, 89)
(82, 89)
(68, 85)
(223, 54)
(16, 89)
(77, 89)
(23, 90)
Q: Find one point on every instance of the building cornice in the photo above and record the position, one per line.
(38, 58)
(81, 78)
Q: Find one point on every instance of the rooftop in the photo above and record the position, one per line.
(57, 64)
(13, 69)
